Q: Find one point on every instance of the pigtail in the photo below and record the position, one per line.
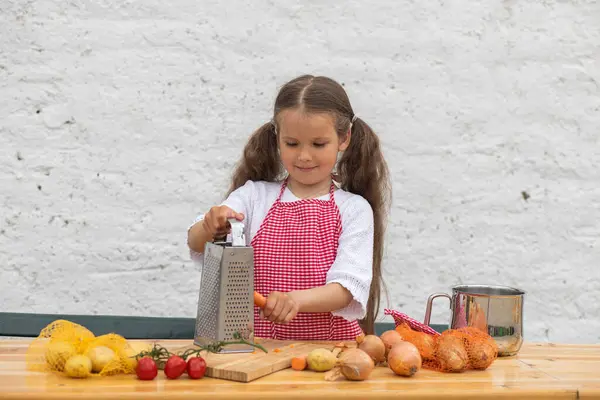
(260, 160)
(362, 170)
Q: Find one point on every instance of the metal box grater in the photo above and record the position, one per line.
(226, 300)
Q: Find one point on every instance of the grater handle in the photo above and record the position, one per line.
(238, 239)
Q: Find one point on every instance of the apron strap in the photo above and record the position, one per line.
(331, 190)
(285, 183)
(283, 186)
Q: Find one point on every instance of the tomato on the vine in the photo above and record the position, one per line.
(146, 369)
(174, 367)
(196, 367)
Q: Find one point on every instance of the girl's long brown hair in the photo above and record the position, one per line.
(361, 170)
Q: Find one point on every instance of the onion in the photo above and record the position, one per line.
(404, 359)
(390, 338)
(425, 343)
(373, 346)
(482, 353)
(403, 328)
(354, 365)
(451, 353)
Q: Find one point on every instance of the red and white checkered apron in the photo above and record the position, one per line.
(293, 249)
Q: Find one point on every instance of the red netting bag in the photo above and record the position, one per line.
(454, 350)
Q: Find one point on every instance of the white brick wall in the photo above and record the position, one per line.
(119, 121)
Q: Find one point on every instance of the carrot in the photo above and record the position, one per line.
(259, 300)
(299, 363)
(276, 351)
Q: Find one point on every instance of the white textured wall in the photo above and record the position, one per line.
(119, 121)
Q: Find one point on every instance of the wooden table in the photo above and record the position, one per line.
(540, 371)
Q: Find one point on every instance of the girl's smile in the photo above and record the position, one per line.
(306, 169)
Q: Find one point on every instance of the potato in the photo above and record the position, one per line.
(100, 357)
(78, 366)
(58, 353)
(321, 360)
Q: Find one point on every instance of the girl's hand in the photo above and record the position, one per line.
(281, 308)
(215, 221)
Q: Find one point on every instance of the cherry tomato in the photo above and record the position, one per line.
(174, 367)
(196, 367)
(146, 369)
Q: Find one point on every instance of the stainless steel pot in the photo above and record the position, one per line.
(497, 310)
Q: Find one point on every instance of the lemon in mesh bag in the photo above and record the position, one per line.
(63, 340)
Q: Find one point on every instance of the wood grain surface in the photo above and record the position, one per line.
(541, 371)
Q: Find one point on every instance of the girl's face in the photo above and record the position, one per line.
(309, 145)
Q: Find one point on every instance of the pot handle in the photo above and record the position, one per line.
(429, 304)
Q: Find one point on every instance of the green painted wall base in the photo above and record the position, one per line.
(30, 325)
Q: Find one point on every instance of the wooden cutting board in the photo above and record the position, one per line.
(246, 367)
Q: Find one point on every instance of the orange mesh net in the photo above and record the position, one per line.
(89, 355)
(455, 350)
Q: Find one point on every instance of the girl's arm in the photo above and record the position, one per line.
(330, 297)
(239, 203)
(346, 291)
(214, 225)
(282, 307)
(198, 237)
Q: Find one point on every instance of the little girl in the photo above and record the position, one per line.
(317, 234)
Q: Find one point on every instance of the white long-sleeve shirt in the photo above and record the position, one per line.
(353, 266)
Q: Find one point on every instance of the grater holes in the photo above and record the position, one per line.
(239, 305)
(209, 297)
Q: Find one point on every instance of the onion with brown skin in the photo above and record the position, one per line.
(404, 359)
(354, 365)
(390, 338)
(373, 346)
(428, 346)
(424, 342)
(482, 353)
(451, 353)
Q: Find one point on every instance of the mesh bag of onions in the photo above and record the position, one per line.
(454, 350)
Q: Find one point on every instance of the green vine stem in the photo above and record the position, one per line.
(158, 353)
(218, 346)
(161, 354)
